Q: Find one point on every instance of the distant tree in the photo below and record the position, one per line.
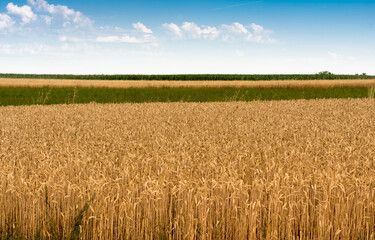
(325, 73)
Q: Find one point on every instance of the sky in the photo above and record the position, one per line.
(187, 37)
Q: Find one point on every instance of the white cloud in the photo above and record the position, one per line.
(121, 39)
(191, 30)
(227, 33)
(68, 17)
(24, 12)
(251, 33)
(42, 6)
(141, 27)
(194, 31)
(5, 21)
(234, 32)
(256, 28)
(173, 28)
(235, 28)
(119, 35)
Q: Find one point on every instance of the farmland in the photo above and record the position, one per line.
(69, 95)
(298, 169)
(182, 158)
(29, 89)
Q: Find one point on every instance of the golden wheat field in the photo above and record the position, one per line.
(6, 82)
(273, 170)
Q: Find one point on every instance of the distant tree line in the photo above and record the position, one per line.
(195, 77)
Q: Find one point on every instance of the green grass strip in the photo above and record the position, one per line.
(194, 77)
(68, 95)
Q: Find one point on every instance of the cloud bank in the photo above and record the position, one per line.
(54, 18)
(39, 28)
(227, 33)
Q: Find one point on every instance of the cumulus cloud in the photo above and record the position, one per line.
(24, 12)
(141, 27)
(251, 33)
(227, 33)
(5, 21)
(256, 28)
(173, 28)
(235, 28)
(68, 16)
(42, 6)
(196, 32)
(190, 30)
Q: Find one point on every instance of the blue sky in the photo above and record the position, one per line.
(151, 37)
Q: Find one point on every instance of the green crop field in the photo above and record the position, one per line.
(68, 95)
